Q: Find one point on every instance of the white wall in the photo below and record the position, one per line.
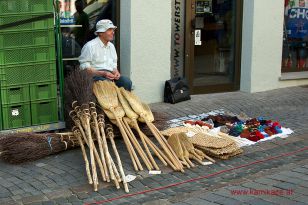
(146, 46)
(262, 46)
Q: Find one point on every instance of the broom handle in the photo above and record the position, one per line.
(93, 166)
(129, 149)
(112, 169)
(165, 147)
(155, 149)
(119, 164)
(167, 144)
(115, 170)
(164, 158)
(196, 159)
(101, 150)
(137, 145)
(145, 145)
(84, 154)
(95, 151)
(131, 146)
(106, 151)
(116, 173)
(204, 155)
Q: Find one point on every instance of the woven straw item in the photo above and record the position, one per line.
(208, 141)
(175, 130)
(224, 156)
(221, 151)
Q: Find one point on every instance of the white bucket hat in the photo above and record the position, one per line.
(103, 26)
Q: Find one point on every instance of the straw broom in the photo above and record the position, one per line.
(103, 143)
(133, 119)
(95, 127)
(20, 148)
(162, 157)
(84, 117)
(107, 98)
(130, 137)
(146, 116)
(110, 134)
(79, 87)
(84, 154)
(77, 122)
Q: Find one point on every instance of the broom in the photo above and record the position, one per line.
(79, 87)
(84, 154)
(103, 144)
(133, 119)
(77, 122)
(26, 147)
(130, 136)
(95, 127)
(107, 98)
(110, 134)
(147, 117)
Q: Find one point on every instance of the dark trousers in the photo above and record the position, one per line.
(123, 81)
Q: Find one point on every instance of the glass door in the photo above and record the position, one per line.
(214, 45)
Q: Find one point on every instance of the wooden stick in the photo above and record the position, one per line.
(109, 131)
(168, 146)
(84, 154)
(129, 147)
(145, 145)
(167, 160)
(196, 159)
(137, 146)
(116, 172)
(105, 151)
(167, 149)
(154, 148)
(129, 141)
(78, 124)
(100, 146)
(86, 120)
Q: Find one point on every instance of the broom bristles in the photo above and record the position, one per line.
(127, 108)
(77, 87)
(105, 94)
(26, 147)
(133, 100)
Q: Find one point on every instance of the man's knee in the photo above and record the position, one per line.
(125, 82)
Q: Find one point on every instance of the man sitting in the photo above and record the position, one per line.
(99, 56)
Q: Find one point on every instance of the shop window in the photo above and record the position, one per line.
(295, 36)
(78, 19)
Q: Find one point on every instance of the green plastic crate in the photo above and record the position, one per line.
(27, 54)
(1, 121)
(41, 24)
(43, 91)
(28, 73)
(25, 6)
(44, 111)
(17, 39)
(16, 115)
(15, 94)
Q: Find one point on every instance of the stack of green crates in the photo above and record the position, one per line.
(28, 77)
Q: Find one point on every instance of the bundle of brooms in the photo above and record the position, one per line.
(19, 148)
(125, 110)
(89, 126)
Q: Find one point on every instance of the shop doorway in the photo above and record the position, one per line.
(213, 43)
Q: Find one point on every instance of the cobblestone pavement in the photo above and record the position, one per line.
(277, 168)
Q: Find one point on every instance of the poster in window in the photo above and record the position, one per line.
(203, 6)
(296, 18)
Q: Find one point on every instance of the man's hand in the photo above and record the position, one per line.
(109, 75)
(116, 74)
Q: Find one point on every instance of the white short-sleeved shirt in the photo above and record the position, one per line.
(95, 54)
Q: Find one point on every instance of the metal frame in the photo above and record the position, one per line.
(189, 51)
